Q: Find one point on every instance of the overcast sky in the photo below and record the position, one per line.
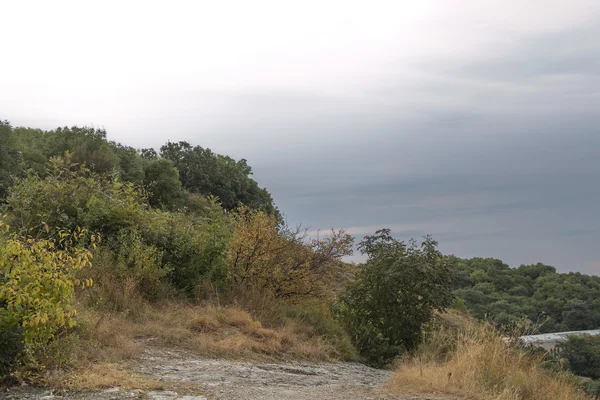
(475, 121)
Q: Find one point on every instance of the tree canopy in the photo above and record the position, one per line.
(490, 289)
(395, 293)
(208, 173)
(179, 169)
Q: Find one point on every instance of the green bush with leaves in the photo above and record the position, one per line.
(393, 296)
(72, 196)
(582, 354)
(127, 256)
(37, 286)
(191, 245)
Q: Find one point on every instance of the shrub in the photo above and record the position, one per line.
(128, 272)
(262, 256)
(582, 354)
(72, 196)
(393, 295)
(134, 258)
(192, 247)
(36, 291)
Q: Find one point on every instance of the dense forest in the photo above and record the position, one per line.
(170, 176)
(117, 231)
(557, 302)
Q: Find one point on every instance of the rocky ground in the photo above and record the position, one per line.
(233, 380)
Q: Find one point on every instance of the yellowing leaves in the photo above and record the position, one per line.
(282, 261)
(37, 287)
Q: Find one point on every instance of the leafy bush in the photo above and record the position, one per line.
(161, 179)
(72, 196)
(582, 354)
(262, 256)
(591, 388)
(127, 272)
(36, 291)
(192, 247)
(393, 295)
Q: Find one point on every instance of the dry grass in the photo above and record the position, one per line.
(475, 362)
(109, 341)
(100, 376)
(111, 375)
(207, 330)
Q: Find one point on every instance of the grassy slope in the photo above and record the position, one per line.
(474, 361)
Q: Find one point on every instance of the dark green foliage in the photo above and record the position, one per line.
(393, 295)
(161, 179)
(131, 165)
(582, 354)
(202, 171)
(88, 146)
(592, 388)
(11, 347)
(25, 151)
(492, 290)
(192, 247)
(9, 157)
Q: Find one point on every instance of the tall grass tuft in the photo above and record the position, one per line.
(475, 361)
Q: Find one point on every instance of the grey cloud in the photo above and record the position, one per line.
(510, 172)
(495, 155)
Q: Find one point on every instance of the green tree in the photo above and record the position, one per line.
(202, 171)
(394, 295)
(161, 179)
(192, 247)
(8, 157)
(582, 354)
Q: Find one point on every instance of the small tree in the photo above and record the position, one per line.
(282, 262)
(161, 179)
(394, 294)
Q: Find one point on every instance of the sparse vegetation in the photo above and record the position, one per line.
(106, 249)
(473, 360)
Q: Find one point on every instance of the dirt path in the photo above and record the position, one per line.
(232, 380)
(237, 380)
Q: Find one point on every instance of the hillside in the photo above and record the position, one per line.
(140, 270)
(557, 302)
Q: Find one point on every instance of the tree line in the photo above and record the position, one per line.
(83, 216)
(170, 175)
(557, 302)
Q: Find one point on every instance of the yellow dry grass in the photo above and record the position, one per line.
(100, 376)
(480, 365)
(206, 330)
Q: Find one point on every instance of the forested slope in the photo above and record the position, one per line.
(490, 289)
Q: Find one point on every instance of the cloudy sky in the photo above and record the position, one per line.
(477, 121)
